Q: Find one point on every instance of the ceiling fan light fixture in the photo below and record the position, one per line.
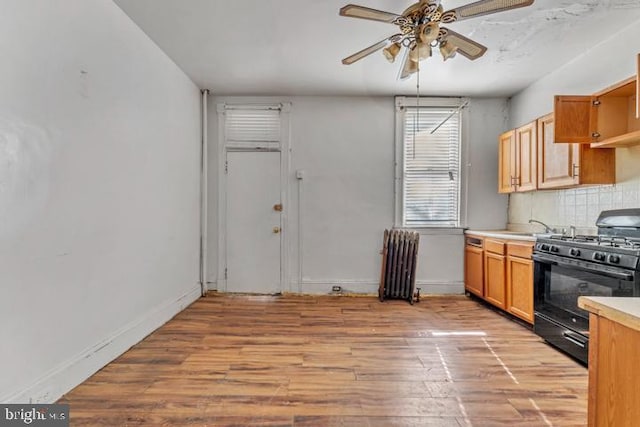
(448, 50)
(391, 52)
(428, 33)
(420, 51)
(420, 30)
(412, 66)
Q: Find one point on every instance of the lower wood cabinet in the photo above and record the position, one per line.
(501, 272)
(614, 375)
(494, 273)
(474, 269)
(520, 280)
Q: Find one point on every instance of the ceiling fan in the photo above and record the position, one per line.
(420, 30)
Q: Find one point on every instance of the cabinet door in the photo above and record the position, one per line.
(473, 270)
(527, 158)
(575, 119)
(520, 287)
(507, 162)
(596, 165)
(558, 164)
(613, 373)
(494, 272)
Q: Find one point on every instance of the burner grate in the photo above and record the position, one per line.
(619, 242)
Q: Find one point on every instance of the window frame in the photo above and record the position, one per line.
(401, 103)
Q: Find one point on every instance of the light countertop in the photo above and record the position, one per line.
(625, 311)
(504, 234)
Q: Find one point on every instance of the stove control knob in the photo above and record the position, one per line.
(599, 256)
(554, 248)
(544, 247)
(614, 259)
(574, 252)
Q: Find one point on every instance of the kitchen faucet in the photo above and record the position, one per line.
(547, 229)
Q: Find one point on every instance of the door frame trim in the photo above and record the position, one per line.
(285, 170)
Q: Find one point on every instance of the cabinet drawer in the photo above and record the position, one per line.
(475, 241)
(522, 250)
(494, 246)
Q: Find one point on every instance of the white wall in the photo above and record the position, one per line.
(99, 192)
(487, 209)
(611, 61)
(345, 145)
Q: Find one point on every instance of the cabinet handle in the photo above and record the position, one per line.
(576, 169)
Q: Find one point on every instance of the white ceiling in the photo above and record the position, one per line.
(294, 47)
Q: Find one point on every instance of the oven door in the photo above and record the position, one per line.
(558, 282)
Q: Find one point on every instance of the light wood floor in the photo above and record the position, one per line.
(336, 361)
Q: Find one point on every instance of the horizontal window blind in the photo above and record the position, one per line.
(431, 170)
(252, 125)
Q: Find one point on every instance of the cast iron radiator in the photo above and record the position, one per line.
(399, 259)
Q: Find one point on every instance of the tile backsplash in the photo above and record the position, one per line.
(581, 206)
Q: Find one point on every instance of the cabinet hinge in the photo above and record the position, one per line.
(226, 166)
(225, 274)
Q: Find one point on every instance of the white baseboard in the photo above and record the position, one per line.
(350, 286)
(429, 287)
(61, 379)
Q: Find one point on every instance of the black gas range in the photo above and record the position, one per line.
(567, 267)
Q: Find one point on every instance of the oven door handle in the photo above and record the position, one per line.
(562, 262)
(575, 338)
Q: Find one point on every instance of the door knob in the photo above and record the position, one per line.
(276, 230)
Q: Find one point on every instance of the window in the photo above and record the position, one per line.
(252, 126)
(428, 162)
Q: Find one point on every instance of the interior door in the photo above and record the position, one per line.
(253, 222)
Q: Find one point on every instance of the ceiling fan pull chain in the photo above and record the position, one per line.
(416, 118)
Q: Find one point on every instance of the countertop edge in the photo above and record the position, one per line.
(615, 309)
(502, 234)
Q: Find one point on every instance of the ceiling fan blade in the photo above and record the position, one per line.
(482, 7)
(355, 11)
(467, 47)
(365, 52)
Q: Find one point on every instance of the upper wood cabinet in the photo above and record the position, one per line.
(507, 162)
(566, 165)
(526, 159)
(607, 119)
(576, 119)
(517, 167)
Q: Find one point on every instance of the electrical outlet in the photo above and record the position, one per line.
(336, 289)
